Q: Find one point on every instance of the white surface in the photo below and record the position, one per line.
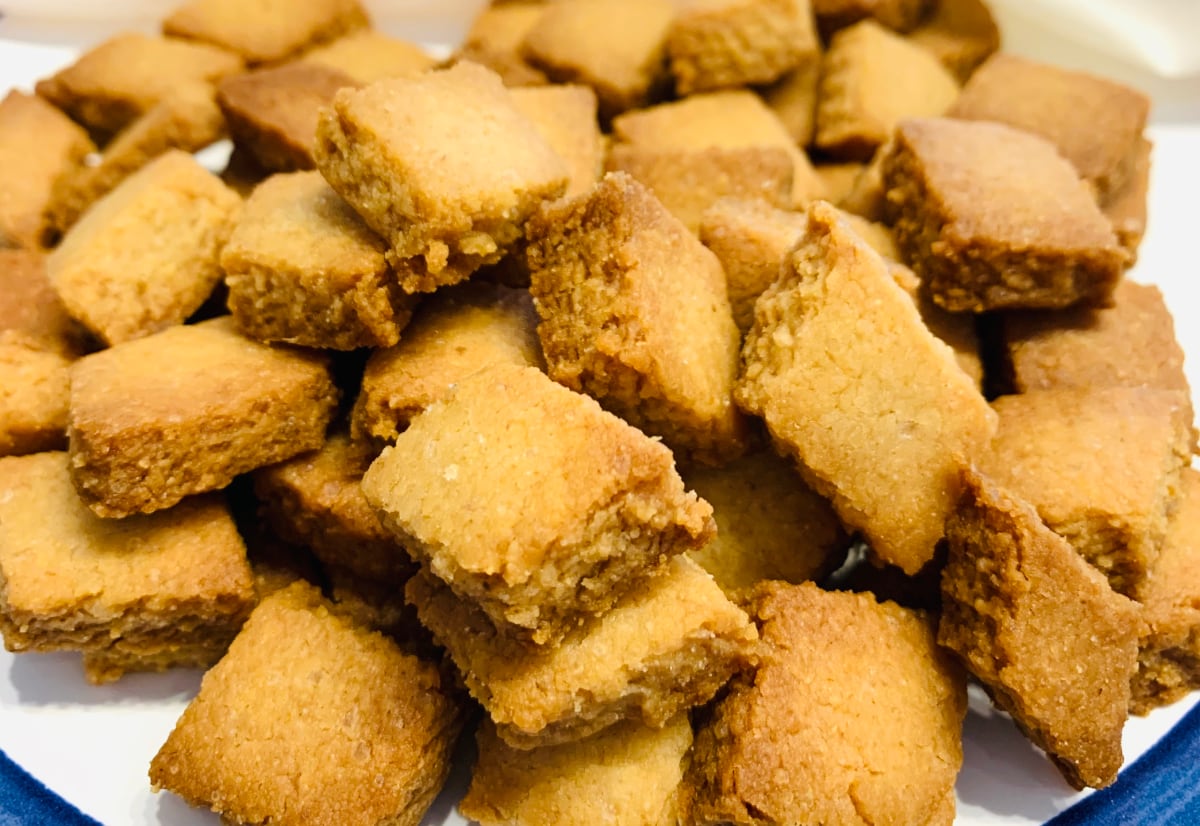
(93, 745)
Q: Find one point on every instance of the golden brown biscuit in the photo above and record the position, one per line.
(900, 15)
(40, 150)
(566, 117)
(188, 409)
(1041, 629)
(454, 332)
(1169, 653)
(448, 201)
(530, 500)
(871, 79)
(770, 525)
(793, 99)
(368, 56)
(853, 386)
(967, 199)
(144, 257)
(1126, 208)
(629, 771)
(144, 593)
(853, 716)
(634, 312)
(495, 38)
(303, 268)
(187, 119)
(959, 33)
(273, 113)
(618, 47)
(34, 389)
(346, 711)
(1094, 123)
(670, 644)
(110, 85)
(719, 44)
(31, 312)
(265, 31)
(1101, 465)
(839, 179)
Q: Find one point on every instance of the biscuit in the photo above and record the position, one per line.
(113, 83)
(185, 411)
(346, 711)
(994, 218)
(367, 56)
(454, 332)
(40, 149)
(495, 37)
(34, 384)
(573, 505)
(770, 525)
(1041, 629)
(1130, 344)
(839, 178)
(871, 79)
(187, 119)
(1126, 208)
(853, 716)
(732, 119)
(898, 15)
(315, 500)
(867, 197)
(793, 99)
(719, 44)
(272, 113)
(961, 34)
(629, 771)
(144, 593)
(1111, 504)
(144, 257)
(855, 388)
(670, 644)
(447, 199)
(31, 312)
(618, 47)
(266, 31)
(303, 268)
(566, 117)
(1100, 135)
(634, 312)
(687, 182)
(1169, 653)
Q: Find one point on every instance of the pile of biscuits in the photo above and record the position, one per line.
(688, 396)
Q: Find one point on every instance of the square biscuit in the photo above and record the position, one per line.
(731, 119)
(992, 218)
(853, 716)
(531, 501)
(346, 711)
(30, 310)
(688, 181)
(898, 15)
(34, 391)
(302, 268)
(1041, 629)
(113, 83)
(452, 200)
(618, 47)
(315, 500)
(1127, 207)
(144, 257)
(793, 99)
(770, 524)
(369, 55)
(265, 31)
(1098, 137)
(188, 119)
(961, 34)
(634, 312)
(1169, 654)
(1113, 503)
(496, 36)
(565, 116)
(628, 770)
(855, 388)
(161, 586)
(670, 644)
(186, 410)
(455, 332)
(720, 44)
(272, 113)
(1130, 344)
(40, 149)
(871, 79)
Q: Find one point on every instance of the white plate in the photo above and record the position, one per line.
(93, 745)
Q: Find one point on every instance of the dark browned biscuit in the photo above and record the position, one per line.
(991, 217)
(900, 15)
(273, 113)
(1041, 629)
